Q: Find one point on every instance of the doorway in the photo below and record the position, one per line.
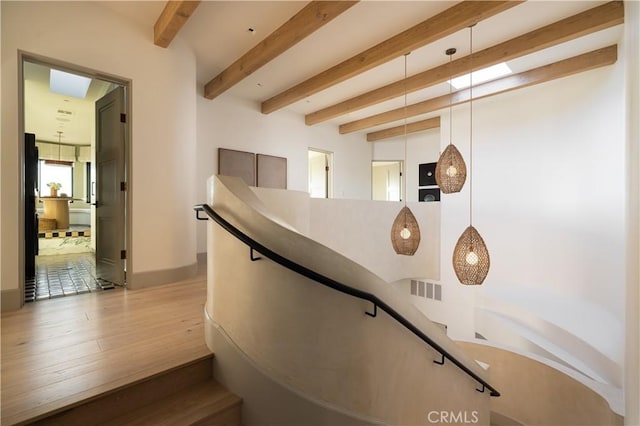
(320, 173)
(386, 180)
(59, 116)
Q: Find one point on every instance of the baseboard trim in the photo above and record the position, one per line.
(165, 276)
(10, 300)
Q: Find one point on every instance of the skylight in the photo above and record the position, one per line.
(68, 84)
(482, 75)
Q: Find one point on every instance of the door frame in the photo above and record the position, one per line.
(91, 73)
(401, 177)
(329, 178)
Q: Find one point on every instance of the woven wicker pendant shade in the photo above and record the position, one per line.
(471, 258)
(405, 233)
(451, 170)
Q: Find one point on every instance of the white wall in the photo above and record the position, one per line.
(359, 230)
(423, 147)
(549, 199)
(234, 123)
(163, 122)
(632, 355)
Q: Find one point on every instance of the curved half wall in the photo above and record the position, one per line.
(318, 342)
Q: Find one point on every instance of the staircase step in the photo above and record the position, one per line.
(206, 403)
(184, 395)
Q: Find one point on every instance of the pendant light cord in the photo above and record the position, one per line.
(450, 52)
(404, 187)
(471, 125)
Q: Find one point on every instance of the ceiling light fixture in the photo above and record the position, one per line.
(470, 256)
(451, 171)
(405, 232)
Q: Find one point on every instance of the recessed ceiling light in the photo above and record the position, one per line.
(482, 75)
(69, 84)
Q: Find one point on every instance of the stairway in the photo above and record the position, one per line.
(184, 395)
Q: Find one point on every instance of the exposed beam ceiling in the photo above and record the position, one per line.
(595, 59)
(313, 16)
(173, 17)
(443, 24)
(590, 21)
(392, 132)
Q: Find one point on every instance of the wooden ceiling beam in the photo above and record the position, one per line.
(585, 62)
(174, 15)
(392, 132)
(313, 16)
(441, 25)
(590, 21)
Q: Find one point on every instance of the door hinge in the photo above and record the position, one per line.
(123, 118)
(326, 169)
(123, 186)
(123, 254)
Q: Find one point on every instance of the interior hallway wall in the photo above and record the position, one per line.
(422, 147)
(92, 35)
(234, 123)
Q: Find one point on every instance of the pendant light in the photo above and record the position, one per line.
(451, 171)
(470, 256)
(405, 233)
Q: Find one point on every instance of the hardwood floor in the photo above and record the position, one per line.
(61, 351)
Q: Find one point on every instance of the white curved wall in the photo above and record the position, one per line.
(93, 36)
(535, 393)
(360, 230)
(317, 341)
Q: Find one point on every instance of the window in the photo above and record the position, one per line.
(55, 171)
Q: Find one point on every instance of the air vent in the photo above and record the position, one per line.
(426, 289)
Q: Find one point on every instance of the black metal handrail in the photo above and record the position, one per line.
(326, 281)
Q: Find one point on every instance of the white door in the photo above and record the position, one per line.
(110, 186)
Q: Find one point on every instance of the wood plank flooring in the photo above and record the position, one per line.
(61, 351)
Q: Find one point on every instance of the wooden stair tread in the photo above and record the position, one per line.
(130, 396)
(193, 405)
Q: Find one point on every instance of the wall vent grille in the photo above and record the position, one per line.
(426, 289)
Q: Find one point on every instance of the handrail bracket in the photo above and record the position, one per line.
(375, 311)
(252, 256)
